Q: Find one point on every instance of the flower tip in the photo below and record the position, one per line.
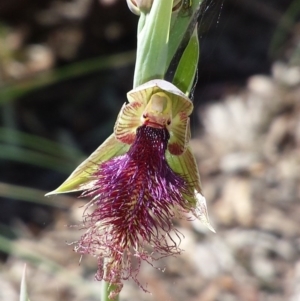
(209, 226)
(59, 190)
(201, 213)
(50, 193)
(53, 192)
(133, 7)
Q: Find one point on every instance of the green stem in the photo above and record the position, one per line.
(152, 46)
(106, 289)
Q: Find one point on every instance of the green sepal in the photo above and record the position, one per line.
(186, 166)
(82, 177)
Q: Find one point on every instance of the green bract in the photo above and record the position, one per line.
(163, 34)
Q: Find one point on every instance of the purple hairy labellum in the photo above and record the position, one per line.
(136, 196)
(139, 180)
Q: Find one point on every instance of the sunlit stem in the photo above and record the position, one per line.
(152, 46)
(106, 289)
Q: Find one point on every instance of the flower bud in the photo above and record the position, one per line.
(133, 7)
(136, 6)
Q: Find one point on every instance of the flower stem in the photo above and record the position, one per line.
(106, 289)
(152, 45)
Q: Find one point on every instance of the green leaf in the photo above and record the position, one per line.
(284, 28)
(24, 250)
(188, 64)
(10, 91)
(10, 152)
(32, 195)
(21, 139)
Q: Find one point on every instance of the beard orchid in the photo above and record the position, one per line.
(141, 178)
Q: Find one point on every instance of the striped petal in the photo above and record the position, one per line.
(129, 119)
(180, 134)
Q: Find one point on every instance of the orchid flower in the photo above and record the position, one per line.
(139, 179)
(145, 174)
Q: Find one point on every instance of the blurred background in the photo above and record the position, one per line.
(65, 68)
